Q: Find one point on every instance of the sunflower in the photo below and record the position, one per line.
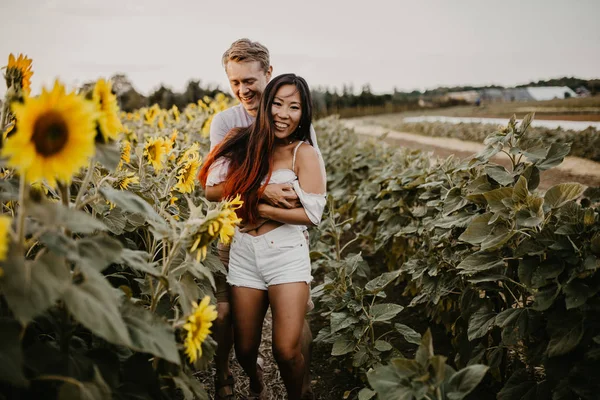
(229, 219)
(125, 152)
(4, 236)
(186, 177)
(198, 327)
(206, 127)
(174, 135)
(106, 102)
(175, 112)
(219, 223)
(18, 71)
(155, 150)
(128, 179)
(190, 154)
(54, 136)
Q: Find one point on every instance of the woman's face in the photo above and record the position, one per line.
(286, 111)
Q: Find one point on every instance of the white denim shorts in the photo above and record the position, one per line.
(276, 257)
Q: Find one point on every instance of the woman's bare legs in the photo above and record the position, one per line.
(288, 305)
(249, 307)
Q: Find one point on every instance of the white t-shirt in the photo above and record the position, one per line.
(238, 117)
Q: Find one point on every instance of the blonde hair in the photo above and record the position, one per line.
(244, 50)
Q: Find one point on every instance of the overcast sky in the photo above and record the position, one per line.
(406, 44)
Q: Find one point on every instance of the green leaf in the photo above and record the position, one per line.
(478, 229)
(425, 350)
(497, 238)
(526, 122)
(565, 335)
(520, 192)
(384, 312)
(214, 264)
(11, 354)
(562, 193)
(409, 334)
(97, 389)
(382, 345)
(479, 262)
(191, 386)
(489, 152)
(545, 297)
(149, 333)
(378, 284)
(454, 201)
(94, 303)
(138, 260)
(459, 220)
(342, 346)
(32, 287)
(99, 252)
(360, 357)
(464, 381)
(555, 156)
(131, 202)
(577, 293)
(388, 380)
(480, 323)
(499, 174)
(495, 197)
(109, 155)
(186, 289)
(517, 386)
(57, 215)
(532, 174)
(341, 320)
(366, 394)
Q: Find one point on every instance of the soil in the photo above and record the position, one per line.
(330, 380)
(573, 169)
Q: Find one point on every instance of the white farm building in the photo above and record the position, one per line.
(550, 92)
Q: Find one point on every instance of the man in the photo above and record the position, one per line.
(248, 70)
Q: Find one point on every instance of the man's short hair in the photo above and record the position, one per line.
(245, 50)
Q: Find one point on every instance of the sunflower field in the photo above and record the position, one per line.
(107, 258)
(105, 277)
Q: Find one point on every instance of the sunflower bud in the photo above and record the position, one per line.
(589, 218)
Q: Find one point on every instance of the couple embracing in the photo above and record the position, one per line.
(265, 150)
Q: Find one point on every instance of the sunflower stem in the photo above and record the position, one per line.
(21, 219)
(85, 183)
(3, 119)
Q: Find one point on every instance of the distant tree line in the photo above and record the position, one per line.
(327, 101)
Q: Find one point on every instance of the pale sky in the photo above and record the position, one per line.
(406, 44)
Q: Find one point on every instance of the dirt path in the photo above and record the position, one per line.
(573, 169)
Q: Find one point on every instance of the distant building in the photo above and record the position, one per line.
(469, 96)
(551, 92)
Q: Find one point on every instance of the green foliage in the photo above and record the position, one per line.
(98, 281)
(427, 376)
(360, 319)
(584, 144)
(511, 273)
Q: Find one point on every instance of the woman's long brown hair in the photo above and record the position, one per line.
(250, 150)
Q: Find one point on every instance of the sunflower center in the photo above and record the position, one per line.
(50, 133)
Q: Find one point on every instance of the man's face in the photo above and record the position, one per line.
(247, 81)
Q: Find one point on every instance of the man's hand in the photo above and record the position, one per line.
(281, 196)
(252, 227)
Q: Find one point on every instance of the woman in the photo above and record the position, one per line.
(269, 260)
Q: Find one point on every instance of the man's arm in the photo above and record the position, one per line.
(311, 180)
